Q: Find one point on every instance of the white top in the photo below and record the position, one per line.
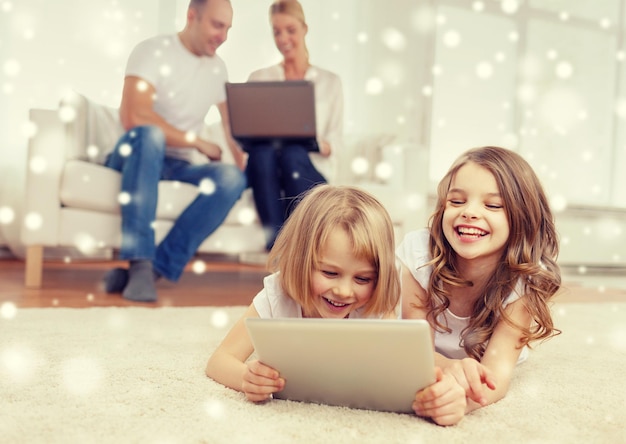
(413, 253)
(186, 85)
(328, 110)
(272, 302)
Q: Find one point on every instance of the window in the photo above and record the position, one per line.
(545, 78)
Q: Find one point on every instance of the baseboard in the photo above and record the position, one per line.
(70, 254)
(593, 270)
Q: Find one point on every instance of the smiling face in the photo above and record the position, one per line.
(208, 26)
(341, 282)
(289, 35)
(474, 221)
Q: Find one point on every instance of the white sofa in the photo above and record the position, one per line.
(71, 200)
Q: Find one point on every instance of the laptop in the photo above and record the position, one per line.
(276, 112)
(369, 364)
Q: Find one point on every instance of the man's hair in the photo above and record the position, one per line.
(199, 4)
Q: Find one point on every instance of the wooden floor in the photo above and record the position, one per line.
(80, 285)
(223, 283)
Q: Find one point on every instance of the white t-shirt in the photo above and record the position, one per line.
(328, 110)
(272, 302)
(413, 253)
(186, 85)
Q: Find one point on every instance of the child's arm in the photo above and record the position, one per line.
(227, 365)
(500, 359)
(477, 378)
(444, 401)
(497, 364)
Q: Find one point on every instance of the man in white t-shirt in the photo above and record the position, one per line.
(170, 83)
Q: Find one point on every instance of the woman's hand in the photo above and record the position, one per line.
(473, 377)
(325, 148)
(260, 381)
(443, 401)
(240, 158)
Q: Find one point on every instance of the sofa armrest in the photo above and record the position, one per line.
(45, 160)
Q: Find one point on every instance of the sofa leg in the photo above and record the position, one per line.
(34, 266)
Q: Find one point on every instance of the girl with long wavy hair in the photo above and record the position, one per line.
(483, 273)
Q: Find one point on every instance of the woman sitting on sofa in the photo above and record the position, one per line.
(277, 176)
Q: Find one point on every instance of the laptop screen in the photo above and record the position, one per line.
(283, 110)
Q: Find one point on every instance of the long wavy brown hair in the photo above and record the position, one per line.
(529, 258)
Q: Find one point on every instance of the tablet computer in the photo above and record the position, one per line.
(370, 364)
(277, 112)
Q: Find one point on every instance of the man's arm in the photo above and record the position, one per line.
(238, 154)
(137, 108)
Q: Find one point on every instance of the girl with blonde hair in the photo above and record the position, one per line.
(334, 258)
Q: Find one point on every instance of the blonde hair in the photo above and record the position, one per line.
(296, 252)
(530, 253)
(288, 7)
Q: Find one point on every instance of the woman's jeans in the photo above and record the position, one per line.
(277, 176)
(140, 156)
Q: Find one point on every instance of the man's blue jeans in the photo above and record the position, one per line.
(140, 156)
(277, 176)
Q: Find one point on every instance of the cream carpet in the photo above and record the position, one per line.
(136, 375)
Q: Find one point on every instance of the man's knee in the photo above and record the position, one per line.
(232, 179)
(148, 137)
(142, 143)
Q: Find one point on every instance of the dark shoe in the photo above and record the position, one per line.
(115, 280)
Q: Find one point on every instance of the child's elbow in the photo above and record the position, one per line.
(209, 369)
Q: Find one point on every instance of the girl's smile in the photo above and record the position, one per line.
(468, 233)
(342, 282)
(475, 222)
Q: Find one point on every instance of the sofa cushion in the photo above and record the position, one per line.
(95, 130)
(88, 186)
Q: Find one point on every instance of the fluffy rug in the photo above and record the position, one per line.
(136, 375)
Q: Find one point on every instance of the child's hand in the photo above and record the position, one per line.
(260, 381)
(472, 376)
(443, 401)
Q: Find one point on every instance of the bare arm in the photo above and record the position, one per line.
(238, 155)
(502, 353)
(137, 108)
(484, 382)
(472, 376)
(227, 365)
(413, 296)
(444, 401)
